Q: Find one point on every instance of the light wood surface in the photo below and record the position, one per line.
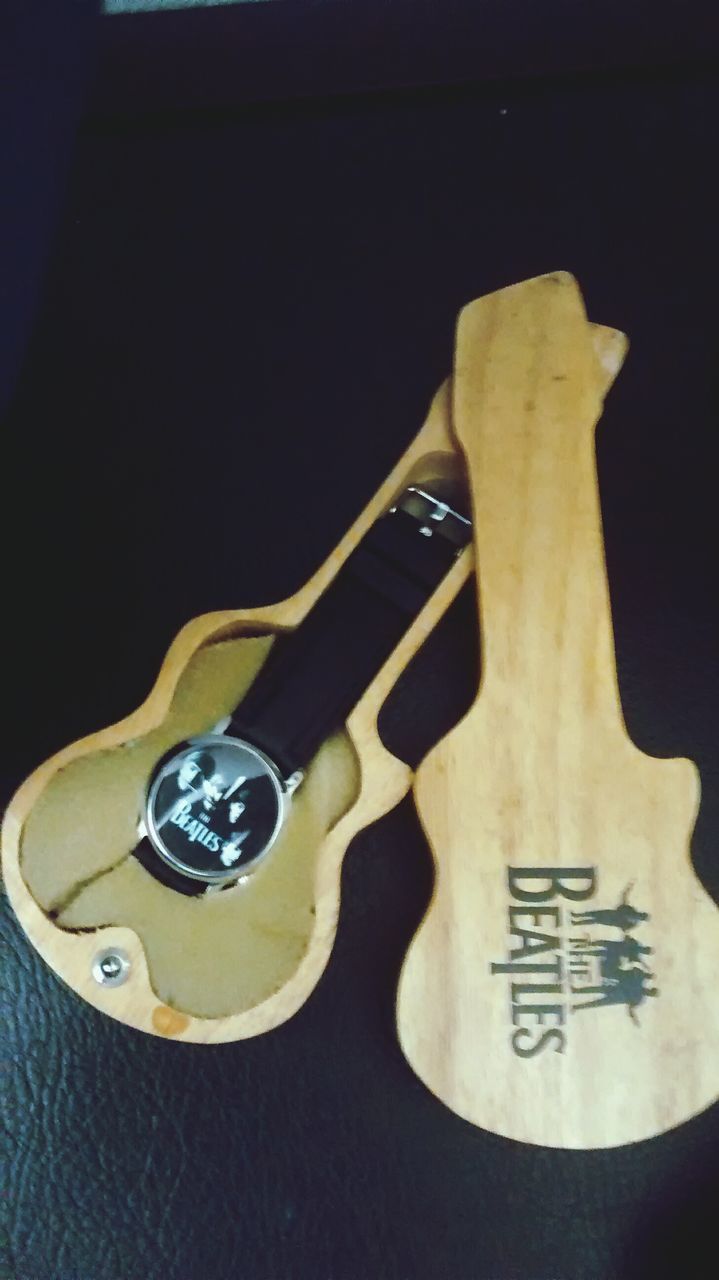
(527, 1011)
(235, 964)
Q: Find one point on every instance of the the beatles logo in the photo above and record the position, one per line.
(560, 952)
(202, 790)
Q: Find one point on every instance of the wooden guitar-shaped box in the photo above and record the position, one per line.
(562, 988)
(235, 963)
(230, 964)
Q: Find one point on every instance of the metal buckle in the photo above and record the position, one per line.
(435, 516)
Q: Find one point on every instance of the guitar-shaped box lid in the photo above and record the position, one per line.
(561, 989)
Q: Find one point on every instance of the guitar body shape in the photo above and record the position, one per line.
(562, 988)
(232, 964)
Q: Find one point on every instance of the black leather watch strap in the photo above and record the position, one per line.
(314, 675)
(309, 684)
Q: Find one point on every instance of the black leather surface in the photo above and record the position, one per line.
(244, 319)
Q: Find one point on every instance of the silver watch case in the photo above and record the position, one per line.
(214, 807)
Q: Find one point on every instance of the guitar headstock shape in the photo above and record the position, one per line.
(561, 987)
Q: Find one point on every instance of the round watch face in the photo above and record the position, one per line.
(214, 806)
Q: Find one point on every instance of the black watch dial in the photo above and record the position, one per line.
(214, 805)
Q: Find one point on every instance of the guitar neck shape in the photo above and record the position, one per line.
(561, 988)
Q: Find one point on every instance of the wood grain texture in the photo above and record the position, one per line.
(572, 1021)
(77, 781)
(276, 931)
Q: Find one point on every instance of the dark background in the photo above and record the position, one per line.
(221, 325)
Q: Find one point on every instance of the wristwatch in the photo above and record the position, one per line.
(216, 803)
